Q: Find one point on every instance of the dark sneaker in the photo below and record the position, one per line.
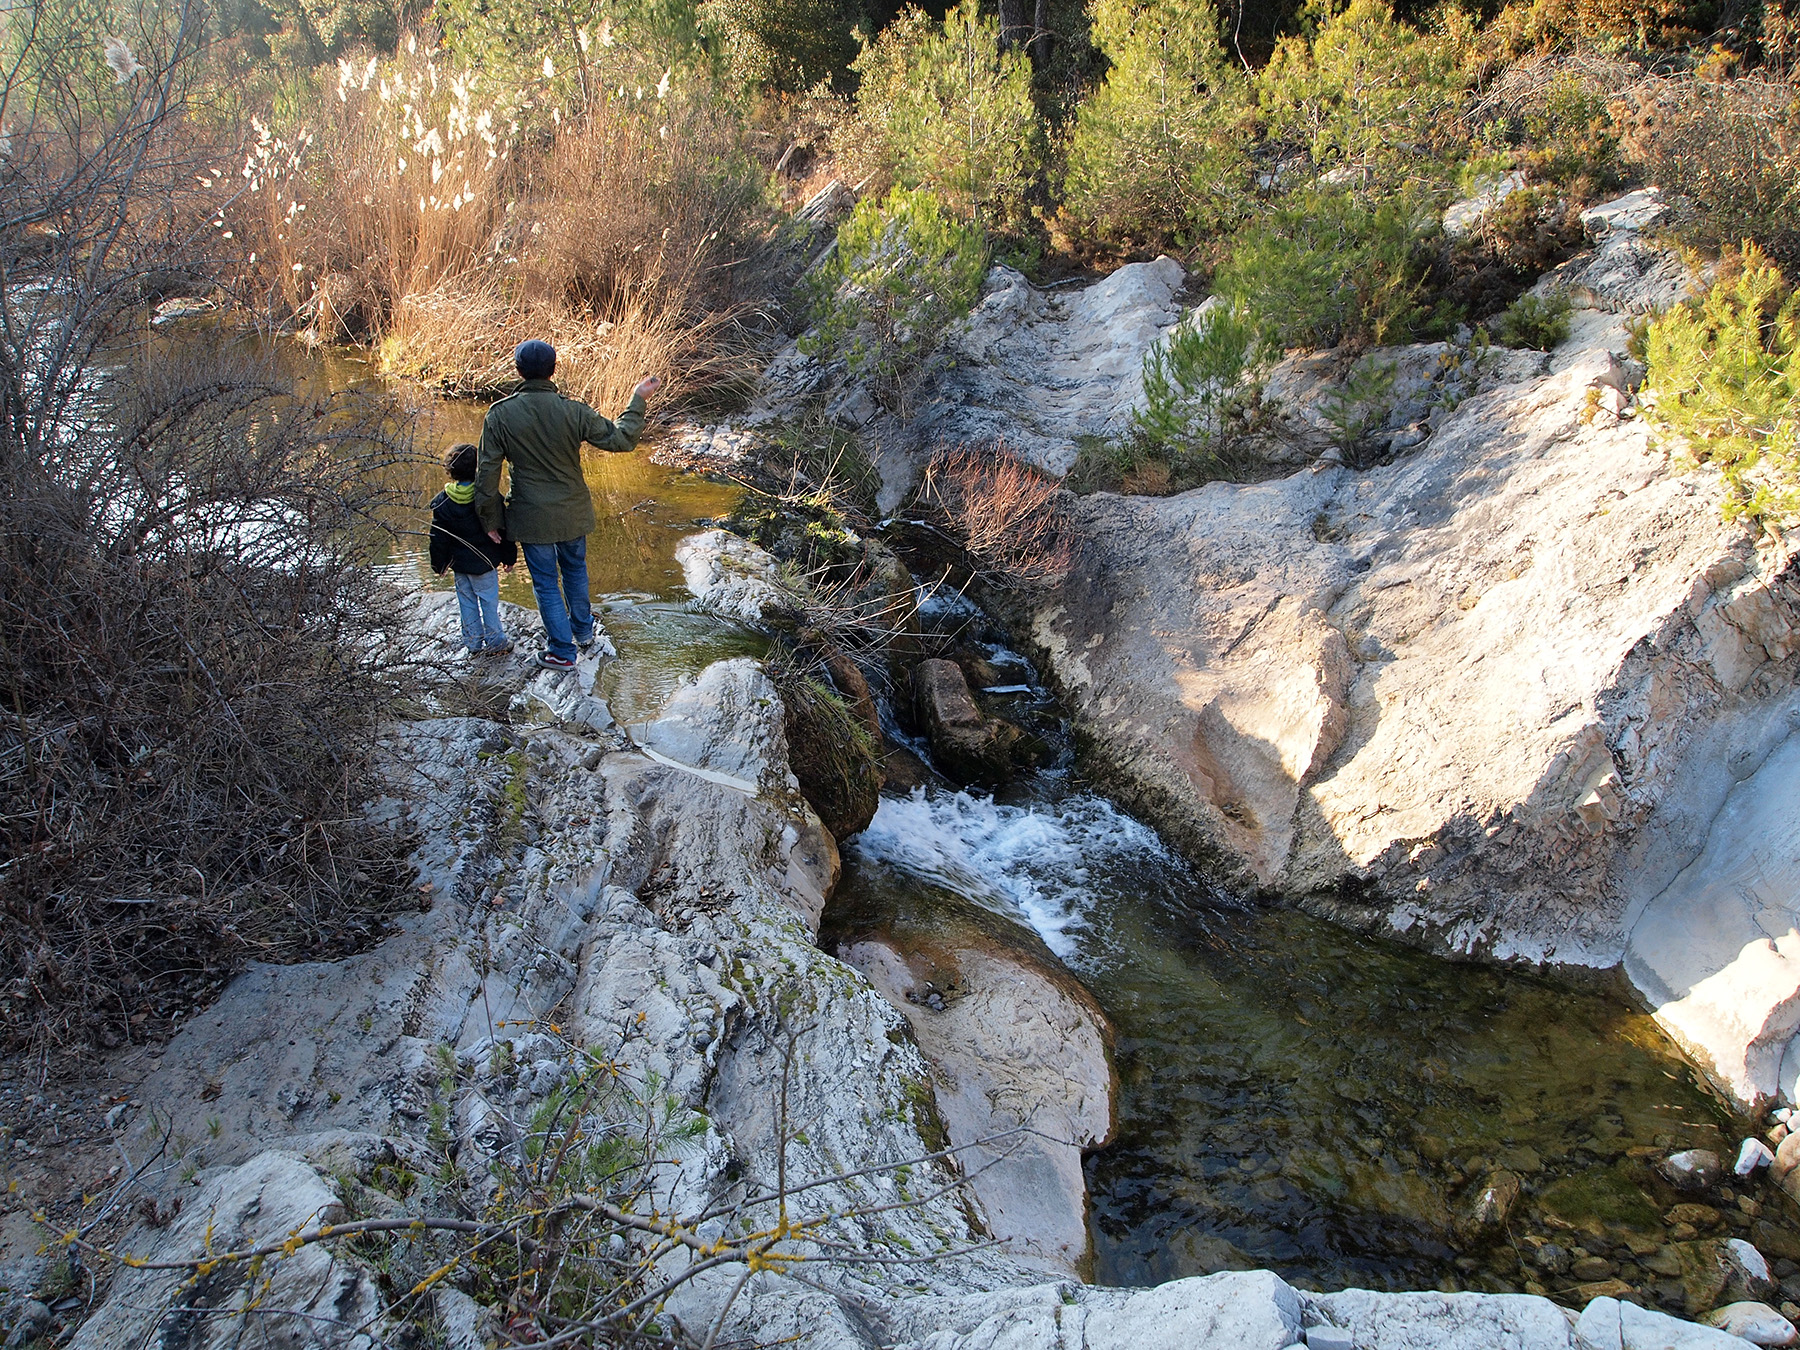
(585, 643)
(497, 649)
(551, 661)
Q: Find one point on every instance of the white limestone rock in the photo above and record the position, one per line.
(1464, 216)
(1017, 1045)
(726, 726)
(1350, 677)
(1757, 1323)
(1248, 1310)
(261, 1201)
(1646, 1329)
(1717, 950)
(1038, 369)
(1433, 1321)
(729, 575)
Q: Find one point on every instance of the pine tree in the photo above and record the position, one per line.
(945, 108)
(1159, 152)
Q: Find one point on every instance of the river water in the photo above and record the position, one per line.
(1292, 1096)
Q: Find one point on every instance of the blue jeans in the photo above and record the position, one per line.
(567, 615)
(478, 597)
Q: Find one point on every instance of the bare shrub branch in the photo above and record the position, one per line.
(1009, 515)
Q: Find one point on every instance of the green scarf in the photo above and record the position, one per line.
(460, 493)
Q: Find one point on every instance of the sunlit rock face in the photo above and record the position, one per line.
(1511, 693)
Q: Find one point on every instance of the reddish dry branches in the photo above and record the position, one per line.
(1008, 515)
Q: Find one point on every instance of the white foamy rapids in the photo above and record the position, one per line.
(1039, 864)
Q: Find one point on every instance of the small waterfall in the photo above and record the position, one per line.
(1046, 864)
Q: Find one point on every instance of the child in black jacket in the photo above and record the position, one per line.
(459, 541)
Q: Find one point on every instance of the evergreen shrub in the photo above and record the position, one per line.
(1328, 266)
(1202, 383)
(1723, 382)
(1159, 152)
(943, 107)
(903, 269)
(1369, 98)
(1537, 322)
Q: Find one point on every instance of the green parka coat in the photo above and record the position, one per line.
(539, 432)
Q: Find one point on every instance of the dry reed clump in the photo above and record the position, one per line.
(190, 690)
(420, 213)
(1008, 515)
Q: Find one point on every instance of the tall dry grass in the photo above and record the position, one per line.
(444, 220)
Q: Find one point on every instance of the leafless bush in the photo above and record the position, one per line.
(189, 671)
(189, 695)
(1731, 147)
(1007, 514)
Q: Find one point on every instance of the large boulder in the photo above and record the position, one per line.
(1037, 369)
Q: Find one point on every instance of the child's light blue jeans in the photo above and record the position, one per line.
(478, 596)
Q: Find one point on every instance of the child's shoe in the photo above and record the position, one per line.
(551, 661)
(497, 649)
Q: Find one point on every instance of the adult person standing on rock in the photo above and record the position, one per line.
(539, 432)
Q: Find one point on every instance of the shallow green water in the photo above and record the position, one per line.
(642, 511)
(1295, 1096)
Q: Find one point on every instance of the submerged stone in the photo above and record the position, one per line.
(1599, 1198)
(1693, 1170)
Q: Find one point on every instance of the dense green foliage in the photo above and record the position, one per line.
(1371, 99)
(1538, 322)
(1724, 383)
(1160, 151)
(1199, 383)
(903, 268)
(1329, 265)
(943, 108)
(785, 45)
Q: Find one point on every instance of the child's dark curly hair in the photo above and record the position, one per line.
(460, 462)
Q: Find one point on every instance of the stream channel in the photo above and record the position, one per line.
(1292, 1095)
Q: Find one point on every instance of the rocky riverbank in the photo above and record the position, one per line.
(1518, 691)
(659, 909)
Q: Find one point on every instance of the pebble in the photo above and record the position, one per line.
(1752, 1154)
(1757, 1323)
(1591, 1268)
(1700, 1216)
(1552, 1259)
(1746, 1270)
(1693, 1169)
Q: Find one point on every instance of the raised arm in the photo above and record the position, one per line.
(622, 434)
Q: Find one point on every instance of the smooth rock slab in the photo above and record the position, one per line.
(311, 1297)
(1233, 1310)
(725, 725)
(1432, 1321)
(1014, 1046)
(1643, 1329)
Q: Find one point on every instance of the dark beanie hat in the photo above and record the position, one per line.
(535, 359)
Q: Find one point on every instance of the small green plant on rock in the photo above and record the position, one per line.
(1540, 323)
(1357, 406)
(1203, 385)
(1723, 381)
(903, 269)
